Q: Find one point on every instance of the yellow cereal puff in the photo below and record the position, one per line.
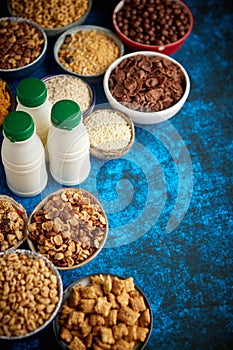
(144, 319)
(107, 284)
(129, 284)
(128, 316)
(112, 301)
(132, 333)
(97, 320)
(97, 279)
(97, 347)
(76, 344)
(98, 288)
(138, 304)
(122, 344)
(87, 305)
(75, 318)
(86, 328)
(102, 307)
(66, 335)
(141, 334)
(117, 286)
(89, 341)
(75, 296)
(106, 335)
(120, 330)
(111, 319)
(123, 298)
(88, 292)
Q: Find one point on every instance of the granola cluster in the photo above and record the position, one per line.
(108, 313)
(69, 228)
(88, 52)
(21, 43)
(12, 223)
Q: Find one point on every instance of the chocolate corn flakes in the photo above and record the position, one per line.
(147, 83)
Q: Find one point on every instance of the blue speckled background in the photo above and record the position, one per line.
(169, 200)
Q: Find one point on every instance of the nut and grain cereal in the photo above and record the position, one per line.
(52, 13)
(147, 83)
(108, 313)
(88, 52)
(29, 293)
(69, 228)
(5, 101)
(21, 43)
(71, 88)
(13, 221)
(153, 22)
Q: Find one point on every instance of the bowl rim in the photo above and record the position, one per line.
(82, 78)
(42, 203)
(139, 114)
(85, 280)
(21, 19)
(87, 27)
(59, 29)
(152, 47)
(32, 254)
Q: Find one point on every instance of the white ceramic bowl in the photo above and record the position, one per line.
(54, 32)
(146, 117)
(72, 50)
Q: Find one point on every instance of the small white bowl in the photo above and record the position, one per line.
(86, 28)
(146, 117)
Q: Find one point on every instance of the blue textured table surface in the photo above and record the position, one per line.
(169, 200)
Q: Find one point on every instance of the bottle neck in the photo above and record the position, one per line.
(34, 135)
(45, 104)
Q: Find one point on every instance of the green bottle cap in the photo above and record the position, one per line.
(66, 114)
(18, 126)
(31, 92)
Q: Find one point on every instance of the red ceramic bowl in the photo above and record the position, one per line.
(167, 49)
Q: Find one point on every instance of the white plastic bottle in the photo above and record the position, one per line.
(23, 155)
(32, 97)
(68, 144)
